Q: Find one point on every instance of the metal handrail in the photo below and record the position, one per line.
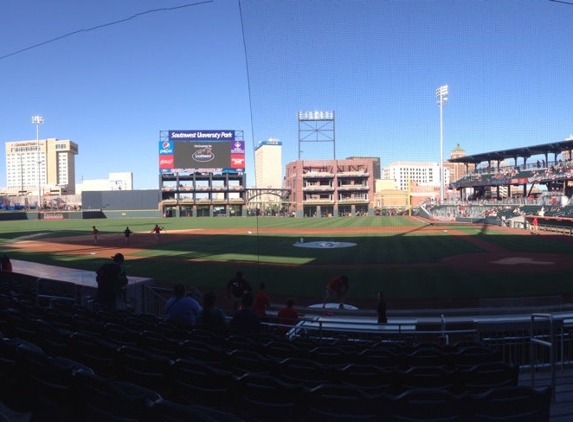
(551, 344)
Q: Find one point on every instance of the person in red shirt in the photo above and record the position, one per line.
(262, 301)
(288, 316)
(534, 226)
(157, 230)
(336, 290)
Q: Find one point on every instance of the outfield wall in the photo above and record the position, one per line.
(119, 200)
(78, 215)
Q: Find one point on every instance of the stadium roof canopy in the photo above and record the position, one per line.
(524, 152)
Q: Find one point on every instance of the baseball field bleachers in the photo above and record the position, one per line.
(66, 362)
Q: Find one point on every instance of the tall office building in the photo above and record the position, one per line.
(423, 173)
(55, 161)
(268, 170)
(457, 170)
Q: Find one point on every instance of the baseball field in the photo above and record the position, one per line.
(415, 262)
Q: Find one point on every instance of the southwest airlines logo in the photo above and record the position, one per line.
(165, 148)
(204, 155)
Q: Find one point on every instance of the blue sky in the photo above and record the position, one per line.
(377, 64)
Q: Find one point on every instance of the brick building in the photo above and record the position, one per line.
(331, 187)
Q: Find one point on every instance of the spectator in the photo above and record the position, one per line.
(336, 290)
(535, 226)
(6, 264)
(235, 289)
(182, 309)
(381, 309)
(211, 318)
(287, 316)
(111, 283)
(262, 301)
(245, 319)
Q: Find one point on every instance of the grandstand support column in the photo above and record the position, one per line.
(442, 96)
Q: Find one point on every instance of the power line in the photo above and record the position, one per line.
(95, 28)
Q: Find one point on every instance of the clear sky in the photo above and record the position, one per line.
(111, 87)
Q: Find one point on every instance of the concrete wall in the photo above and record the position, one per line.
(121, 200)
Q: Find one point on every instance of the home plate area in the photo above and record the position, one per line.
(329, 244)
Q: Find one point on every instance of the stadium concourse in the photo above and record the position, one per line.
(450, 353)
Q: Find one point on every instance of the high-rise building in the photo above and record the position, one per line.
(268, 171)
(423, 173)
(47, 163)
(457, 170)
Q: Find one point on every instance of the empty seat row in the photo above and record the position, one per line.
(58, 388)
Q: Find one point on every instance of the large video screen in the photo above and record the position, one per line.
(213, 151)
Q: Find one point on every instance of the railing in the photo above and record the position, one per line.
(318, 188)
(154, 302)
(537, 339)
(352, 187)
(511, 335)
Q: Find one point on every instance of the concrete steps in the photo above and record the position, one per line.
(562, 405)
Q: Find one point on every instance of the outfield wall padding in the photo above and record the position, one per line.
(133, 214)
(118, 200)
(17, 215)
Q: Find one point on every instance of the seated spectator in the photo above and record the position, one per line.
(212, 318)
(287, 316)
(245, 319)
(182, 309)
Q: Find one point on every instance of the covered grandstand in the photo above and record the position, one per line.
(538, 184)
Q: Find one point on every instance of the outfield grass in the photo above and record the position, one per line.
(403, 265)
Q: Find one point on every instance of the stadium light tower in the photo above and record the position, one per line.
(442, 96)
(38, 120)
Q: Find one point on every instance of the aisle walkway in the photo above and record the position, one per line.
(562, 407)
